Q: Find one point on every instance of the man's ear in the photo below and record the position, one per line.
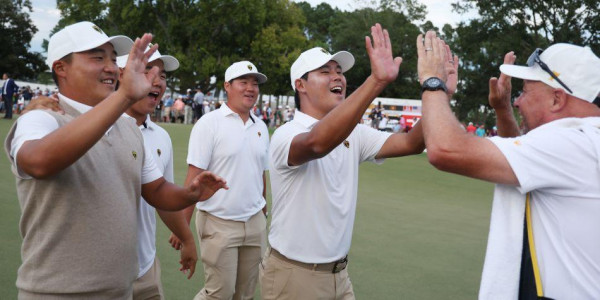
(60, 68)
(299, 83)
(227, 86)
(559, 100)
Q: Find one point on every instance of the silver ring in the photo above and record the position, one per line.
(428, 49)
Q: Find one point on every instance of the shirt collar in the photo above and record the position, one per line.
(83, 108)
(148, 124)
(304, 119)
(226, 111)
(80, 107)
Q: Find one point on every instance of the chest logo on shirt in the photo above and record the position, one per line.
(259, 134)
(347, 144)
(518, 143)
(159, 152)
(134, 154)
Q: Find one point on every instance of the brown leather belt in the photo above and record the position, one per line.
(333, 267)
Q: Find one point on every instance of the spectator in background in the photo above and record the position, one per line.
(168, 106)
(188, 111)
(9, 89)
(471, 128)
(178, 109)
(480, 132)
(383, 123)
(197, 106)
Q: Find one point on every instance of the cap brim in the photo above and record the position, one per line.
(521, 72)
(171, 63)
(345, 59)
(121, 44)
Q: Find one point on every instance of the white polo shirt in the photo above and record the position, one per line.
(314, 204)
(158, 142)
(559, 163)
(36, 124)
(220, 142)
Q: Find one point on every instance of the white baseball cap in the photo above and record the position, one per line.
(81, 37)
(575, 66)
(315, 58)
(171, 63)
(242, 68)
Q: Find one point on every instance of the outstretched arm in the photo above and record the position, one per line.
(337, 125)
(56, 151)
(500, 101)
(449, 148)
(167, 196)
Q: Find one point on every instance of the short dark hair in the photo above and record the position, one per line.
(66, 59)
(296, 96)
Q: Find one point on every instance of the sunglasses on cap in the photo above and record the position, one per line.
(535, 58)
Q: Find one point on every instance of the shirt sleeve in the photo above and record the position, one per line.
(201, 144)
(371, 141)
(280, 149)
(32, 126)
(266, 157)
(546, 158)
(150, 170)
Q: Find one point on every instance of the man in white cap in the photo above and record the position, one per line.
(545, 231)
(148, 283)
(80, 174)
(313, 164)
(232, 224)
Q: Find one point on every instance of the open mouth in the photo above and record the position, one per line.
(336, 90)
(153, 95)
(108, 81)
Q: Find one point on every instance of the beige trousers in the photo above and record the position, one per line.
(282, 280)
(149, 286)
(230, 252)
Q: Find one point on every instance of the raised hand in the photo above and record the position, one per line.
(207, 184)
(451, 71)
(384, 67)
(189, 257)
(432, 57)
(136, 82)
(499, 97)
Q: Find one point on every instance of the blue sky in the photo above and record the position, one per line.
(45, 15)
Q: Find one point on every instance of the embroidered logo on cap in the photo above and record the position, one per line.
(325, 51)
(134, 154)
(98, 29)
(158, 151)
(250, 67)
(347, 144)
(259, 134)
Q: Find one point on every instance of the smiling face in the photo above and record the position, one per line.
(323, 89)
(242, 93)
(146, 106)
(89, 76)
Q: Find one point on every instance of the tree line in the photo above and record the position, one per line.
(208, 35)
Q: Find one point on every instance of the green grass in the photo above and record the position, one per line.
(419, 233)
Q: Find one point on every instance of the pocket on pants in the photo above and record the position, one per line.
(274, 279)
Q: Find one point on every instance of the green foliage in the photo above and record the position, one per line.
(16, 32)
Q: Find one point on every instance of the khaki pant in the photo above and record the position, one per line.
(24, 295)
(282, 280)
(230, 252)
(149, 286)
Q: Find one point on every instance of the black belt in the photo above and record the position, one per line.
(333, 267)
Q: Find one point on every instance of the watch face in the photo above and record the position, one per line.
(434, 81)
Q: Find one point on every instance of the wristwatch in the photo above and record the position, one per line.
(433, 84)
